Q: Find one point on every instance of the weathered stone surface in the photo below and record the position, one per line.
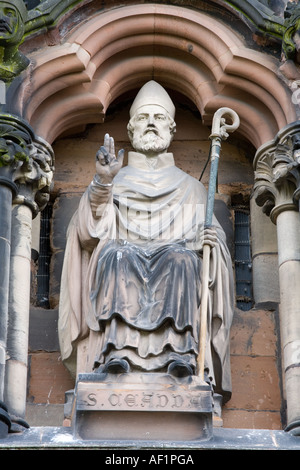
(44, 414)
(253, 334)
(13, 62)
(255, 383)
(265, 278)
(253, 339)
(248, 419)
(141, 406)
(224, 439)
(256, 398)
(48, 379)
(43, 330)
(63, 210)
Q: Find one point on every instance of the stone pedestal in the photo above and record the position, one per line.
(147, 407)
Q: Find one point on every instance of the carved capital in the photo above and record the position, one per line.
(15, 138)
(26, 163)
(35, 176)
(277, 173)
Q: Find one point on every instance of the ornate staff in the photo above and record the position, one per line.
(219, 132)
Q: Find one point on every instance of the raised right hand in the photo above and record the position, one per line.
(107, 164)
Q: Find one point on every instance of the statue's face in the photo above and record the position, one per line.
(9, 22)
(151, 130)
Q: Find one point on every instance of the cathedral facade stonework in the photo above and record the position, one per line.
(71, 75)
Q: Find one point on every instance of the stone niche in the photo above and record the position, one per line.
(143, 407)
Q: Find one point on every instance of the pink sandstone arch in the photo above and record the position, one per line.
(119, 50)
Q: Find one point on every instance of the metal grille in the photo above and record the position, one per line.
(44, 259)
(243, 261)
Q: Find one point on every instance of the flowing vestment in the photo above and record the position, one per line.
(137, 246)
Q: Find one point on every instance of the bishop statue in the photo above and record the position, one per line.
(131, 279)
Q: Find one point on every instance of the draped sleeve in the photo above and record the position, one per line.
(89, 229)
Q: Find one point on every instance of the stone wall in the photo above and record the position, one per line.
(256, 398)
(256, 401)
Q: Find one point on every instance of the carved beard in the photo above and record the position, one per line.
(150, 142)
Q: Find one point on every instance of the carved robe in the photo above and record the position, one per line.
(132, 273)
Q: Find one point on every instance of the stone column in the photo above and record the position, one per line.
(34, 181)
(25, 178)
(15, 138)
(276, 189)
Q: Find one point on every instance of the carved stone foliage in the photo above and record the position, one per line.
(14, 152)
(26, 163)
(35, 176)
(13, 146)
(277, 174)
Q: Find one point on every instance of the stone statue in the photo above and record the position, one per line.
(13, 14)
(131, 279)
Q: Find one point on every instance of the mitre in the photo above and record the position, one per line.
(153, 93)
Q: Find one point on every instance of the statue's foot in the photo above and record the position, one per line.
(116, 366)
(180, 369)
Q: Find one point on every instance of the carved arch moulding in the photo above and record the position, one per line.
(73, 83)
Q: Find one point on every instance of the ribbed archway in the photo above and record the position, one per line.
(184, 50)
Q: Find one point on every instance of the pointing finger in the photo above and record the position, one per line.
(107, 142)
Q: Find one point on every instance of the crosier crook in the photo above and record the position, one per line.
(219, 132)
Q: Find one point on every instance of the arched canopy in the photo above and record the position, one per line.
(119, 50)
